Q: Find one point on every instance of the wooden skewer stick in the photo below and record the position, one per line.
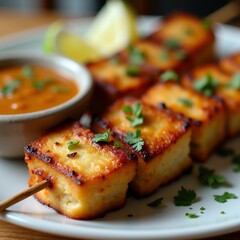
(24, 194)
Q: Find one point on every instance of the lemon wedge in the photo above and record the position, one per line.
(113, 28)
(75, 47)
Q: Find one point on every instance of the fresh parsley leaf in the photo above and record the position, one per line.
(117, 144)
(207, 177)
(185, 197)
(169, 75)
(180, 55)
(136, 56)
(102, 137)
(186, 102)
(224, 197)
(136, 111)
(155, 203)
(172, 43)
(206, 85)
(10, 87)
(59, 89)
(191, 215)
(235, 82)
(27, 71)
(72, 144)
(133, 70)
(222, 212)
(135, 139)
(206, 24)
(164, 55)
(225, 152)
(202, 208)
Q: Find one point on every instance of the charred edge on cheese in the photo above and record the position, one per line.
(34, 151)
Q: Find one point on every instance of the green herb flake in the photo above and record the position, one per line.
(102, 137)
(169, 75)
(10, 87)
(156, 203)
(180, 55)
(206, 85)
(164, 55)
(235, 82)
(207, 177)
(225, 152)
(191, 215)
(224, 197)
(72, 144)
(135, 140)
(133, 70)
(117, 144)
(172, 43)
(59, 89)
(27, 71)
(136, 56)
(185, 197)
(186, 102)
(222, 212)
(206, 24)
(202, 208)
(136, 111)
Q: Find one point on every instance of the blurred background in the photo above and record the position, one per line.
(90, 7)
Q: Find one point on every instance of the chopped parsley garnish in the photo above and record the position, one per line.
(222, 212)
(185, 197)
(235, 82)
(207, 177)
(202, 208)
(40, 85)
(206, 24)
(117, 144)
(180, 55)
(27, 71)
(136, 56)
(164, 55)
(133, 70)
(10, 87)
(225, 152)
(136, 111)
(59, 89)
(186, 102)
(169, 75)
(102, 137)
(188, 31)
(191, 215)
(206, 85)
(72, 144)
(172, 43)
(224, 197)
(135, 139)
(156, 203)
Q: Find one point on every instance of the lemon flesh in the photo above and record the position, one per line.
(113, 28)
(73, 46)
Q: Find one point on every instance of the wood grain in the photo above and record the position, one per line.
(11, 22)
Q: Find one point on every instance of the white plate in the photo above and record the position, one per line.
(136, 220)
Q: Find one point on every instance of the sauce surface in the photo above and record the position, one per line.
(25, 89)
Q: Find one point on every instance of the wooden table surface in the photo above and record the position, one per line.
(11, 22)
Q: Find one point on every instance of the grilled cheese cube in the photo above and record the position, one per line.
(187, 32)
(207, 115)
(115, 78)
(155, 56)
(231, 64)
(83, 177)
(165, 153)
(223, 89)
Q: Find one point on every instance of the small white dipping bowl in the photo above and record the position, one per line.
(18, 130)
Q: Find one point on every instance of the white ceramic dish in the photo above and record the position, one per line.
(19, 129)
(136, 220)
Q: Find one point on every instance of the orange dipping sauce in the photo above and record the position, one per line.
(25, 89)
